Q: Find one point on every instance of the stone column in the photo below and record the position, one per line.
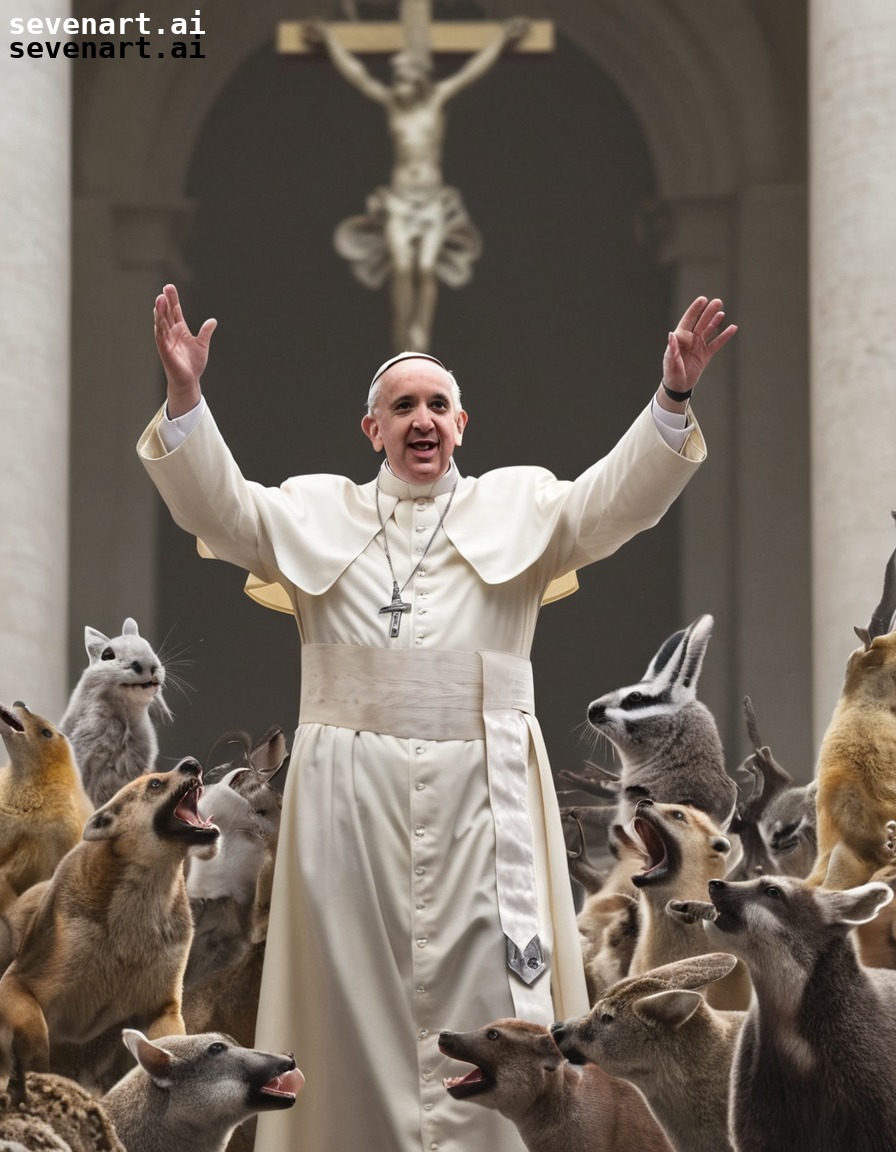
(34, 374)
(853, 342)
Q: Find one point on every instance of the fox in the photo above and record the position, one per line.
(108, 942)
(813, 1069)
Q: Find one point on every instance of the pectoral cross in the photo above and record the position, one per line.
(397, 607)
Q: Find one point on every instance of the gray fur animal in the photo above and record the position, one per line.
(657, 1031)
(776, 822)
(814, 1069)
(191, 1092)
(557, 1106)
(246, 808)
(109, 718)
(667, 740)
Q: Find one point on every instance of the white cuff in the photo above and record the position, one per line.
(172, 433)
(672, 426)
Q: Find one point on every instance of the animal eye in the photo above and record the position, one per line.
(107, 654)
(155, 783)
(606, 1018)
(773, 892)
(48, 732)
(635, 697)
(217, 1048)
(492, 1034)
(678, 814)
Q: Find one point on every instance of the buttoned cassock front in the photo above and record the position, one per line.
(384, 925)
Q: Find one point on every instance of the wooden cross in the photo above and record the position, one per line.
(397, 607)
(412, 32)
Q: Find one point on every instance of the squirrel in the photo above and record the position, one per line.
(108, 718)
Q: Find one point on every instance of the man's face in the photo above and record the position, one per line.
(415, 420)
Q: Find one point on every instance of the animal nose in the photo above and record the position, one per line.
(596, 713)
(558, 1030)
(716, 885)
(646, 802)
(190, 767)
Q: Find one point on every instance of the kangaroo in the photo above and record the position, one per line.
(43, 807)
(657, 1031)
(193, 1091)
(667, 740)
(813, 1070)
(682, 849)
(108, 942)
(108, 718)
(557, 1106)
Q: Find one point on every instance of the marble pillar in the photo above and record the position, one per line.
(853, 335)
(34, 375)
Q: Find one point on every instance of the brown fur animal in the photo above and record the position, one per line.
(682, 850)
(557, 1106)
(109, 941)
(43, 807)
(53, 1114)
(658, 1032)
(856, 774)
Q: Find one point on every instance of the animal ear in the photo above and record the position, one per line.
(269, 754)
(677, 664)
(854, 905)
(129, 628)
(94, 642)
(672, 1008)
(155, 1061)
(101, 825)
(695, 971)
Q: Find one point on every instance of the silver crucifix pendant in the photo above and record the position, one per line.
(397, 607)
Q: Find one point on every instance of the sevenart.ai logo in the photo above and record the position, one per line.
(106, 37)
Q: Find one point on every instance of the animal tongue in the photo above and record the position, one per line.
(288, 1084)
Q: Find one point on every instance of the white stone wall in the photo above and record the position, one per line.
(34, 374)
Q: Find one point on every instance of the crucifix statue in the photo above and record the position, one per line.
(416, 230)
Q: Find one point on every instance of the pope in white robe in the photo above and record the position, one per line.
(421, 879)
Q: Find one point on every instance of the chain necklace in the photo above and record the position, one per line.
(398, 606)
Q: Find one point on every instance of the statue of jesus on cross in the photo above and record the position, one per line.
(416, 229)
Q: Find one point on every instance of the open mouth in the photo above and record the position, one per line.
(423, 447)
(461, 1087)
(652, 848)
(286, 1086)
(10, 720)
(187, 809)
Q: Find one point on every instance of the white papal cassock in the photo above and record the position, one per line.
(385, 926)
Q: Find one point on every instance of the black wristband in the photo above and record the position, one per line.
(678, 397)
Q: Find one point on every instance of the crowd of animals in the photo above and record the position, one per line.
(737, 935)
(133, 916)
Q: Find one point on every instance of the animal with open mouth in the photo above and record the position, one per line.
(193, 1091)
(813, 1069)
(557, 1106)
(657, 1031)
(682, 849)
(110, 714)
(107, 944)
(43, 807)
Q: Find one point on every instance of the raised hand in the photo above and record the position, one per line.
(184, 356)
(696, 339)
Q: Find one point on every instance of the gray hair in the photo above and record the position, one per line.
(374, 391)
